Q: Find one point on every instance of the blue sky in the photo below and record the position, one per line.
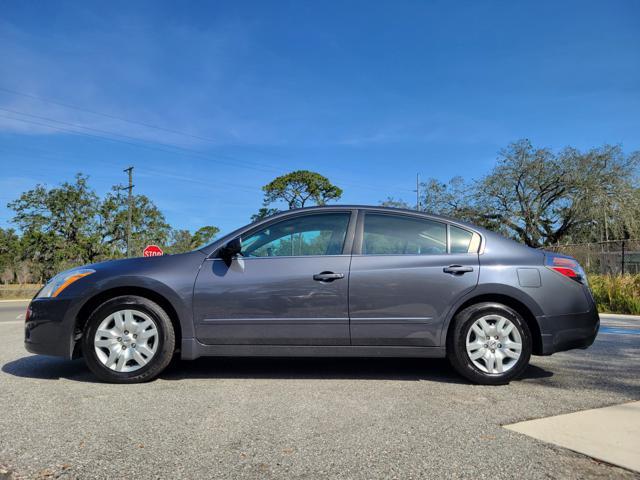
(211, 100)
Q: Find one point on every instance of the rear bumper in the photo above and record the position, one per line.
(49, 329)
(565, 332)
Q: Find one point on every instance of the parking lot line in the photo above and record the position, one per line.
(619, 331)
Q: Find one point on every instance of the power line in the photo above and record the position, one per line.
(147, 170)
(105, 115)
(148, 125)
(131, 140)
(190, 152)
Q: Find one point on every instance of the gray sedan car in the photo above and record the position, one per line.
(323, 281)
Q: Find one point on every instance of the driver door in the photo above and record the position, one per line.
(289, 286)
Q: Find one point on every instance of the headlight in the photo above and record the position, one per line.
(61, 281)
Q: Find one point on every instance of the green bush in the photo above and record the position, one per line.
(616, 294)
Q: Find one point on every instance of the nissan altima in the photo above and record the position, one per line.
(338, 281)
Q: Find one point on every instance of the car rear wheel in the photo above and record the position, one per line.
(128, 339)
(490, 344)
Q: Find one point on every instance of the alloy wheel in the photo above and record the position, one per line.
(126, 340)
(494, 344)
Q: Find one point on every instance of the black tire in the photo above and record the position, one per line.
(164, 350)
(457, 349)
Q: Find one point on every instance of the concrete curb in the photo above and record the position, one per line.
(621, 316)
(15, 300)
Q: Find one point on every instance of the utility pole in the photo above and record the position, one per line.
(417, 191)
(130, 188)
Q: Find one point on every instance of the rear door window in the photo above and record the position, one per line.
(402, 235)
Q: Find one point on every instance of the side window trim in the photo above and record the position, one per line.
(347, 248)
(359, 234)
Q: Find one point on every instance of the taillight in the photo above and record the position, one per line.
(566, 266)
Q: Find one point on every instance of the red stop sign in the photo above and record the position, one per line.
(152, 251)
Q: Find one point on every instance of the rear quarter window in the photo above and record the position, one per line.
(463, 241)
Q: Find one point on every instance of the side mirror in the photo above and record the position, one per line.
(231, 250)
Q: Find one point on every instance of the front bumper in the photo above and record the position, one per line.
(49, 328)
(565, 332)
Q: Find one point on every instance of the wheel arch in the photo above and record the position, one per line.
(99, 298)
(526, 310)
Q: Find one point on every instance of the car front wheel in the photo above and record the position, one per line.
(490, 344)
(128, 339)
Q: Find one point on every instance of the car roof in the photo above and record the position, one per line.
(381, 208)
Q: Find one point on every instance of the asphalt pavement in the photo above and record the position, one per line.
(302, 418)
(11, 310)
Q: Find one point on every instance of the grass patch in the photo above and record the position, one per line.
(26, 290)
(616, 294)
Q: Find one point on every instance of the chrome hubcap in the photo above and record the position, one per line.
(126, 340)
(494, 344)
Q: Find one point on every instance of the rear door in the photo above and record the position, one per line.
(289, 287)
(406, 272)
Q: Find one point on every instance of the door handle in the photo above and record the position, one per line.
(327, 276)
(457, 269)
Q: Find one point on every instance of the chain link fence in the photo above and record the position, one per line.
(613, 257)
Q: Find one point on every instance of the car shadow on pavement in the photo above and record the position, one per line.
(401, 369)
(43, 367)
(408, 369)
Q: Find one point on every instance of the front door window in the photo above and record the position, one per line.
(319, 234)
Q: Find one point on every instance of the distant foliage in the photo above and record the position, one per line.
(148, 223)
(541, 198)
(395, 203)
(264, 212)
(298, 189)
(184, 241)
(69, 225)
(11, 263)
